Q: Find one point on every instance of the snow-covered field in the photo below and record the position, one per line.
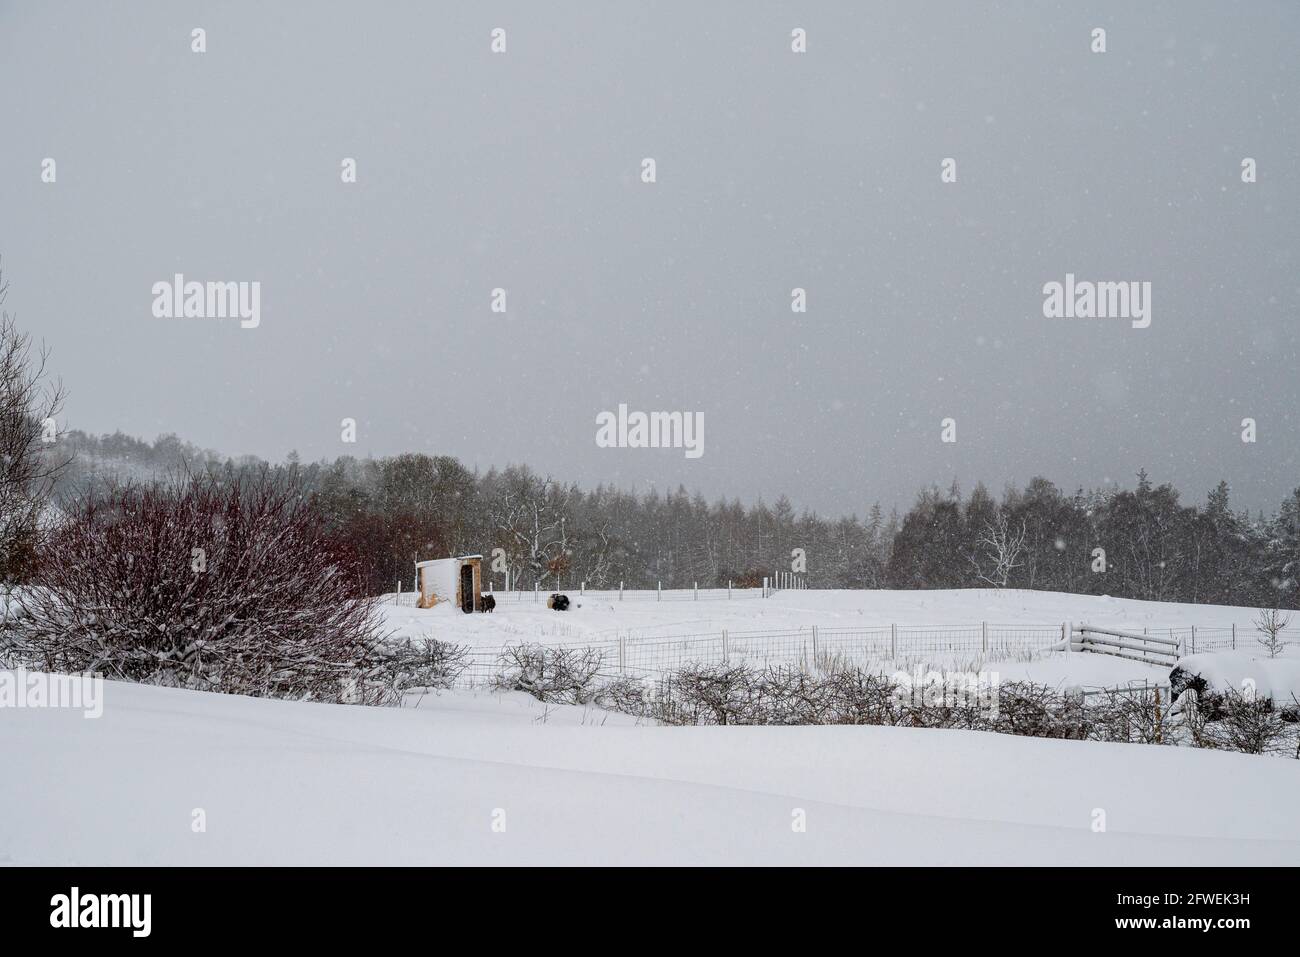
(471, 777)
(603, 613)
(935, 628)
(281, 782)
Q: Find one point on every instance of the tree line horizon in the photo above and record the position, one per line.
(392, 511)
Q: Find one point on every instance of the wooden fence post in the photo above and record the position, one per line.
(725, 654)
(893, 642)
(984, 636)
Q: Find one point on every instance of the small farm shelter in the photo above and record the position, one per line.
(457, 580)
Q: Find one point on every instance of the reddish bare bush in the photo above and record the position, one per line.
(216, 584)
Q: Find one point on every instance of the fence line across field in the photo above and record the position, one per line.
(1190, 639)
(770, 586)
(729, 592)
(655, 655)
(628, 655)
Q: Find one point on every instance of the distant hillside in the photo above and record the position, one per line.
(95, 462)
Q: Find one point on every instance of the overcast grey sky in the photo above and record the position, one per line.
(775, 170)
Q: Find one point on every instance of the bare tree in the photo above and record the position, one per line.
(597, 551)
(532, 516)
(29, 461)
(1002, 546)
(1270, 623)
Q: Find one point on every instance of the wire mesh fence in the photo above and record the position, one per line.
(1194, 639)
(876, 647)
(408, 599)
(641, 653)
(634, 594)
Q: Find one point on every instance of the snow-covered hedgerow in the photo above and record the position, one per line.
(784, 695)
(225, 585)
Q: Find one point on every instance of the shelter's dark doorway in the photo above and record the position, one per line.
(467, 588)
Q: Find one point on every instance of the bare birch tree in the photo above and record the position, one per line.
(1270, 623)
(1002, 545)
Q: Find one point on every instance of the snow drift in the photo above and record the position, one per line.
(469, 778)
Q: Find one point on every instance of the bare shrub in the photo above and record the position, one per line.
(779, 695)
(1194, 718)
(1294, 708)
(405, 666)
(1128, 715)
(1035, 710)
(644, 698)
(558, 675)
(789, 695)
(1246, 722)
(944, 700)
(627, 695)
(714, 694)
(785, 695)
(862, 697)
(227, 586)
